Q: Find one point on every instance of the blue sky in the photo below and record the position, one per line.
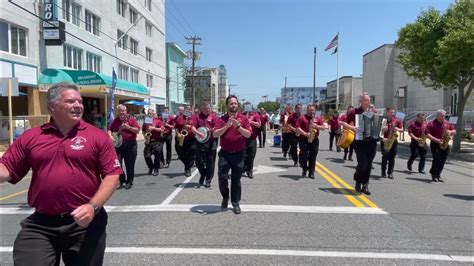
(262, 41)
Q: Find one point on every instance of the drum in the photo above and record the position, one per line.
(346, 139)
(207, 134)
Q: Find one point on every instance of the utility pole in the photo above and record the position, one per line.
(314, 77)
(194, 41)
(230, 86)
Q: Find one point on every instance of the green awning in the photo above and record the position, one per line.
(87, 80)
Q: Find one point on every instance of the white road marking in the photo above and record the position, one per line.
(211, 208)
(276, 252)
(262, 169)
(181, 187)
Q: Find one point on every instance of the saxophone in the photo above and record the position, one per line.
(392, 137)
(312, 132)
(422, 140)
(446, 139)
(147, 136)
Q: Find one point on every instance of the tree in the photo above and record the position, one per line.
(438, 49)
(269, 106)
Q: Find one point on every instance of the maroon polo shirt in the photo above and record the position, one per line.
(168, 129)
(255, 130)
(334, 123)
(350, 118)
(416, 128)
(303, 123)
(292, 120)
(264, 119)
(181, 121)
(436, 129)
(66, 170)
(232, 140)
(343, 118)
(202, 120)
(395, 122)
(155, 135)
(127, 135)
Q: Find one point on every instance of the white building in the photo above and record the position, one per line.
(223, 87)
(206, 81)
(300, 95)
(349, 89)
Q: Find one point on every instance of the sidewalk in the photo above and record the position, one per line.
(466, 154)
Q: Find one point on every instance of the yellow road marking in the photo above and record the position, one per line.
(349, 197)
(345, 184)
(13, 195)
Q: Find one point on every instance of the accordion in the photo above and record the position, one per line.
(370, 126)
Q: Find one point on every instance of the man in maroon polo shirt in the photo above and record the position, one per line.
(437, 130)
(335, 131)
(206, 151)
(262, 134)
(293, 134)
(128, 127)
(186, 152)
(167, 137)
(388, 157)
(417, 130)
(309, 151)
(74, 172)
(153, 126)
(233, 128)
(285, 132)
(251, 149)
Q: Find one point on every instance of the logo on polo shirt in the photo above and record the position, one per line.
(117, 163)
(78, 143)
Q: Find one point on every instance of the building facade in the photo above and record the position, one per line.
(349, 89)
(176, 73)
(206, 81)
(300, 95)
(223, 87)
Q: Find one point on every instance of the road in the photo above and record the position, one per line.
(285, 219)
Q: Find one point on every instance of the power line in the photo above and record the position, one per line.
(185, 21)
(171, 22)
(86, 42)
(179, 22)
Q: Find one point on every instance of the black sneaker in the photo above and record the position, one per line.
(224, 204)
(345, 157)
(304, 173)
(236, 208)
(409, 167)
(311, 175)
(295, 164)
(390, 175)
(365, 190)
(350, 159)
(156, 172)
(207, 184)
(440, 179)
(422, 172)
(284, 154)
(357, 187)
(384, 175)
(128, 186)
(250, 174)
(167, 165)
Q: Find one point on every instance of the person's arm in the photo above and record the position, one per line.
(219, 132)
(410, 133)
(399, 126)
(133, 129)
(4, 174)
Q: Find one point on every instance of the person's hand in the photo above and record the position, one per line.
(83, 215)
(200, 134)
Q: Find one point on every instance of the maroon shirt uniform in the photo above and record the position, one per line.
(395, 122)
(232, 141)
(350, 118)
(303, 123)
(292, 120)
(334, 123)
(67, 170)
(168, 130)
(127, 135)
(416, 128)
(155, 135)
(254, 117)
(202, 120)
(436, 129)
(179, 123)
(264, 119)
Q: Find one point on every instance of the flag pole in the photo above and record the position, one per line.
(337, 72)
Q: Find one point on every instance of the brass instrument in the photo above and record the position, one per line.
(446, 138)
(312, 132)
(422, 141)
(117, 136)
(285, 124)
(392, 137)
(147, 136)
(181, 135)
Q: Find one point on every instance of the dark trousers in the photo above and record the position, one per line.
(332, 136)
(415, 151)
(365, 153)
(349, 150)
(285, 142)
(155, 148)
(235, 163)
(294, 148)
(44, 239)
(439, 159)
(186, 152)
(206, 160)
(250, 153)
(308, 154)
(262, 136)
(166, 143)
(388, 157)
(127, 153)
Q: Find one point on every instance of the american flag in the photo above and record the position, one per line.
(333, 43)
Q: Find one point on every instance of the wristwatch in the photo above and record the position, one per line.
(95, 207)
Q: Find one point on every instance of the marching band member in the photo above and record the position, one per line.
(294, 135)
(152, 131)
(128, 127)
(262, 134)
(184, 139)
(440, 133)
(365, 149)
(285, 141)
(335, 131)
(205, 152)
(349, 149)
(233, 129)
(167, 137)
(390, 135)
(418, 145)
(308, 127)
(251, 150)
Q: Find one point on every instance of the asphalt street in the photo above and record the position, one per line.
(285, 219)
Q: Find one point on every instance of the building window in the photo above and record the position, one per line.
(134, 75)
(13, 39)
(148, 28)
(92, 23)
(123, 72)
(72, 10)
(133, 15)
(149, 54)
(72, 57)
(65, 8)
(133, 46)
(93, 62)
(149, 80)
(148, 4)
(123, 41)
(121, 7)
